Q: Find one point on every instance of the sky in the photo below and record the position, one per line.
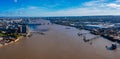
(59, 7)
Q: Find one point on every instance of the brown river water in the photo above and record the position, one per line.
(59, 43)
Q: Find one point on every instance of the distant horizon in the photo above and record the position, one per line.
(61, 16)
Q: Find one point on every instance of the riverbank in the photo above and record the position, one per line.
(15, 40)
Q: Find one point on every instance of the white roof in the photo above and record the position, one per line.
(101, 25)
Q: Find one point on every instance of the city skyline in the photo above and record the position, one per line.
(59, 8)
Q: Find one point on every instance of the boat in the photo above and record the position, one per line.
(112, 47)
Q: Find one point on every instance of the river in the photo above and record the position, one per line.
(58, 43)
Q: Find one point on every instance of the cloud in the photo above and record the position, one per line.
(102, 4)
(66, 12)
(25, 11)
(113, 5)
(117, 1)
(33, 7)
(15, 1)
(95, 4)
(83, 12)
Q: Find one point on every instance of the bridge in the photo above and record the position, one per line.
(31, 24)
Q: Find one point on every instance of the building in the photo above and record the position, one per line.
(24, 29)
(99, 26)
